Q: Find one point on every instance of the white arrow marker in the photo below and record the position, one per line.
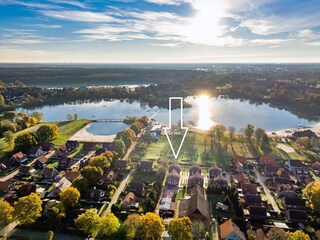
(176, 154)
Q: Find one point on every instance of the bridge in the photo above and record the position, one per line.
(108, 120)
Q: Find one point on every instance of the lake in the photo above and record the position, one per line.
(204, 112)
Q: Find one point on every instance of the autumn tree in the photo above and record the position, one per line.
(109, 224)
(132, 225)
(92, 173)
(28, 209)
(54, 215)
(109, 155)
(89, 222)
(9, 138)
(25, 141)
(127, 136)
(151, 226)
(38, 116)
(6, 213)
(81, 184)
(70, 197)
(312, 193)
(298, 235)
(100, 161)
(180, 228)
(119, 147)
(248, 131)
(47, 132)
(276, 234)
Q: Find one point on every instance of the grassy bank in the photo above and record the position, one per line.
(67, 129)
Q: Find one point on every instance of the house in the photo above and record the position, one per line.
(5, 186)
(138, 188)
(47, 146)
(146, 166)
(173, 178)
(41, 162)
(66, 163)
(297, 168)
(266, 160)
(214, 171)
(6, 165)
(110, 178)
(49, 173)
(285, 190)
(35, 152)
(258, 213)
(296, 216)
(240, 159)
(72, 145)
(61, 151)
(130, 200)
(96, 195)
(121, 165)
(27, 189)
(89, 146)
(252, 199)
(176, 167)
(109, 146)
(61, 185)
(99, 151)
(26, 170)
(220, 181)
(167, 206)
(194, 168)
(294, 203)
(241, 178)
(18, 158)
(281, 180)
(195, 179)
(230, 231)
(271, 170)
(72, 174)
(196, 207)
(249, 188)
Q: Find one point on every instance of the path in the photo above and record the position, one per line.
(270, 198)
(8, 229)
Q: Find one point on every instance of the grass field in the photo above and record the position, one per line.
(214, 199)
(67, 129)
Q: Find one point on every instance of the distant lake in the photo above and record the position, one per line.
(227, 112)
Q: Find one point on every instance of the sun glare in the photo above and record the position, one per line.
(205, 27)
(204, 122)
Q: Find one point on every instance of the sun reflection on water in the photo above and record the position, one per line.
(204, 122)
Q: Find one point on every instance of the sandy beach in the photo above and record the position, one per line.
(83, 136)
(289, 131)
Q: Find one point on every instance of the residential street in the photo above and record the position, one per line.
(267, 192)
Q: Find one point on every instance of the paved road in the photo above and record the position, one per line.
(270, 198)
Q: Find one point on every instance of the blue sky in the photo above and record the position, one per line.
(159, 31)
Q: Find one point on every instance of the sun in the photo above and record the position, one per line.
(204, 27)
(204, 122)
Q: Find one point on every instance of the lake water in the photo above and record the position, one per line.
(228, 112)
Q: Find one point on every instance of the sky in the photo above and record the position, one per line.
(159, 31)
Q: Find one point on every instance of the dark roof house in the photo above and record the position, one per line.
(194, 168)
(173, 178)
(120, 165)
(146, 166)
(89, 146)
(49, 173)
(176, 167)
(195, 179)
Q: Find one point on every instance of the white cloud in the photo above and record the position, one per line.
(171, 45)
(22, 41)
(274, 41)
(314, 44)
(72, 3)
(167, 2)
(52, 26)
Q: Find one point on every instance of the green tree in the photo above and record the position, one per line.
(119, 147)
(28, 209)
(9, 139)
(259, 133)
(198, 230)
(6, 213)
(151, 227)
(25, 141)
(248, 131)
(70, 197)
(38, 116)
(231, 131)
(75, 116)
(100, 161)
(89, 222)
(54, 215)
(69, 117)
(109, 224)
(47, 132)
(276, 234)
(92, 173)
(219, 132)
(180, 228)
(298, 235)
(312, 194)
(132, 225)
(81, 183)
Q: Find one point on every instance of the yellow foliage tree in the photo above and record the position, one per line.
(132, 224)
(70, 197)
(298, 235)
(28, 209)
(312, 193)
(6, 213)
(109, 224)
(89, 222)
(151, 226)
(180, 228)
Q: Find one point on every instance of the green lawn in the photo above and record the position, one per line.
(214, 199)
(67, 129)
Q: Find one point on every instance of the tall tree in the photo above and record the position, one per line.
(89, 222)
(109, 224)
(9, 138)
(92, 173)
(231, 131)
(180, 228)
(47, 132)
(38, 116)
(28, 209)
(152, 226)
(276, 234)
(298, 235)
(132, 225)
(312, 193)
(100, 161)
(81, 183)
(119, 147)
(6, 213)
(25, 141)
(248, 131)
(70, 197)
